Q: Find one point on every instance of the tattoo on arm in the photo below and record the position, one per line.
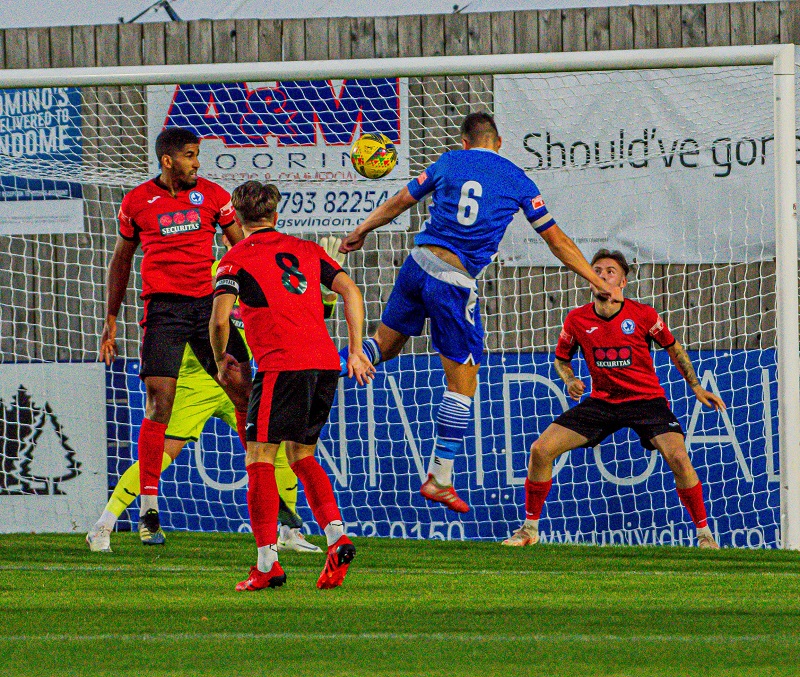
(564, 370)
(684, 364)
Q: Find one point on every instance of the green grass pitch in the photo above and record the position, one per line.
(416, 608)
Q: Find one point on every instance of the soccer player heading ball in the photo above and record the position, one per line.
(277, 279)
(476, 194)
(626, 393)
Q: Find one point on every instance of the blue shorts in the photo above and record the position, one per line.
(445, 294)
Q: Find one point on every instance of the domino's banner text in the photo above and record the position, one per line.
(296, 135)
(379, 439)
(40, 134)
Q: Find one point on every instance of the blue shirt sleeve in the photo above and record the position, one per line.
(425, 182)
(532, 203)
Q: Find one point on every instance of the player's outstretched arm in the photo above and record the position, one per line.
(358, 364)
(566, 251)
(684, 364)
(384, 214)
(219, 329)
(119, 272)
(575, 387)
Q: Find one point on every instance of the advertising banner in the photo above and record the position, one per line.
(668, 168)
(379, 439)
(40, 131)
(296, 135)
(53, 446)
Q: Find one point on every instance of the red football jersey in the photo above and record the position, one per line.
(177, 234)
(617, 350)
(277, 279)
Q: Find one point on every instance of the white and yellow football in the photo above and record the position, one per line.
(373, 155)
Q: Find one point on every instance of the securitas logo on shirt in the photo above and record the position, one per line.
(612, 358)
(183, 221)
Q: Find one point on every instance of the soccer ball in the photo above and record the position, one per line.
(373, 155)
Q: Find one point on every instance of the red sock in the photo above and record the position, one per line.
(692, 499)
(319, 492)
(263, 502)
(151, 451)
(535, 493)
(241, 427)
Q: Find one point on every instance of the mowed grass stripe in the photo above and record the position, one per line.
(401, 637)
(369, 570)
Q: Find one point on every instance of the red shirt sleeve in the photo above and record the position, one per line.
(567, 344)
(227, 280)
(657, 330)
(127, 227)
(226, 214)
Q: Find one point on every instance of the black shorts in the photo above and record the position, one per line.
(595, 419)
(290, 406)
(170, 322)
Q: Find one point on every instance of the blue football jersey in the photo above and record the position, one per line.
(476, 194)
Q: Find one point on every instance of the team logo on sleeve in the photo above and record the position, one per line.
(196, 197)
(628, 327)
(422, 178)
(537, 202)
(182, 221)
(613, 358)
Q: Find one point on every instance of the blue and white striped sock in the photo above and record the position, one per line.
(371, 350)
(451, 426)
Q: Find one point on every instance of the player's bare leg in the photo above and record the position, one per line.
(554, 441)
(158, 409)
(672, 447)
(263, 502)
(389, 341)
(452, 419)
(385, 344)
(238, 386)
(322, 502)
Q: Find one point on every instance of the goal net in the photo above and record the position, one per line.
(673, 166)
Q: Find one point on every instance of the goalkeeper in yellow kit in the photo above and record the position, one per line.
(198, 397)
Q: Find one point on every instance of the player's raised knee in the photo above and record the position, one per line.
(540, 451)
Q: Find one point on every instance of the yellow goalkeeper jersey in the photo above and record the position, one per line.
(192, 373)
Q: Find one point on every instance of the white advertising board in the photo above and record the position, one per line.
(665, 167)
(53, 451)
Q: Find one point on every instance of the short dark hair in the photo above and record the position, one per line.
(616, 255)
(477, 125)
(172, 141)
(254, 200)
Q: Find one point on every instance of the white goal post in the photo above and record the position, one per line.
(781, 58)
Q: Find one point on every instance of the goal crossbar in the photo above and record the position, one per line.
(781, 56)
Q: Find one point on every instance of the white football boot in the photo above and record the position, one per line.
(99, 539)
(293, 539)
(706, 540)
(527, 534)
